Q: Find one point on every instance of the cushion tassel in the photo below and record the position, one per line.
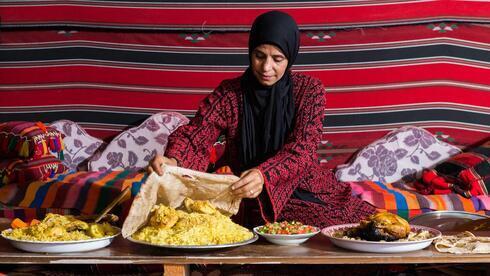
(52, 173)
(24, 150)
(45, 147)
(51, 145)
(61, 143)
(12, 144)
(56, 145)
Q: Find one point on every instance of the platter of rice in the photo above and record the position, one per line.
(198, 227)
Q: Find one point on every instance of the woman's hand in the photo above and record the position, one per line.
(157, 162)
(250, 184)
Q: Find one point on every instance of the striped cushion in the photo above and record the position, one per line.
(234, 14)
(89, 193)
(28, 140)
(24, 171)
(432, 76)
(404, 200)
(80, 192)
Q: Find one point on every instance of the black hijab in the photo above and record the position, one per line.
(268, 111)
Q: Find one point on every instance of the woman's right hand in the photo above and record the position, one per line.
(157, 162)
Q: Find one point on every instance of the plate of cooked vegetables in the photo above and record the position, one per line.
(286, 232)
(381, 233)
(59, 234)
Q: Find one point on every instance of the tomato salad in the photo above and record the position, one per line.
(286, 228)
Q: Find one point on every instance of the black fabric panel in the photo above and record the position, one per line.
(77, 116)
(449, 169)
(215, 59)
(329, 121)
(407, 116)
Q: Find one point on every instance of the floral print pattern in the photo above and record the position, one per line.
(135, 147)
(79, 146)
(401, 155)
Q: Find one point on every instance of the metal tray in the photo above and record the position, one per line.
(446, 221)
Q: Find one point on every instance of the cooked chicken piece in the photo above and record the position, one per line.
(199, 206)
(381, 226)
(163, 216)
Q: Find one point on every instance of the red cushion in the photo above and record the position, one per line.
(27, 170)
(28, 139)
(467, 173)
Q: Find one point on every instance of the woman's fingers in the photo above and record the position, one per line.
(157, 162)
(249, 186)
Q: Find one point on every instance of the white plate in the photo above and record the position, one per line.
(379, 246)
(61, 246)
(284, 239)
(196, 247)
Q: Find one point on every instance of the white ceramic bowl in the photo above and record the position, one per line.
(379, 246)
(284, 239)
(60, 246)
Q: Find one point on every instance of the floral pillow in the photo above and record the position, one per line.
(135, 147)
(401, 155)
(79, 146)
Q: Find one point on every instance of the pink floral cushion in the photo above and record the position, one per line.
(401, 155)
(135, 147)
(79, 145)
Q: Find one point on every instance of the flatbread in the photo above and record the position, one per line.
(463, 243)
(173, 187)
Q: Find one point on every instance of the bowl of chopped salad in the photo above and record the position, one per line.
(286, 233)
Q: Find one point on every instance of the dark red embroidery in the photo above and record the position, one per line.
(296, 165)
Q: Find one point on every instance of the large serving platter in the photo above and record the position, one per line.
(446, 221)
(379, 246)
(196, 247)
(61, 246)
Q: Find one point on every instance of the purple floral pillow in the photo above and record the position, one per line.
(79, 146)
(401, 155)
(135, 147)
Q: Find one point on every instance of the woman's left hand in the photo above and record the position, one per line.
(250, 184)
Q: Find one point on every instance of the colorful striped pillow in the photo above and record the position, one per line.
(19, 139)
(24, 171)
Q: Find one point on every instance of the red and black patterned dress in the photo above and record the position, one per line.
(295, 166)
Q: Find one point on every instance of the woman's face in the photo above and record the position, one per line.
(268, 64)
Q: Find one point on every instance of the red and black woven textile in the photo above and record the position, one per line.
(467, 174)
(235, 15)
(434, 75)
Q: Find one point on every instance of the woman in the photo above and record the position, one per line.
(272, 120)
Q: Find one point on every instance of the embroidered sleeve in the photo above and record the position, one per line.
(191, 144)
(297, 155)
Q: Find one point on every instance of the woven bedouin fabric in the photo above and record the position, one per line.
(24, 171)
(19, 139)
(467, 174)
